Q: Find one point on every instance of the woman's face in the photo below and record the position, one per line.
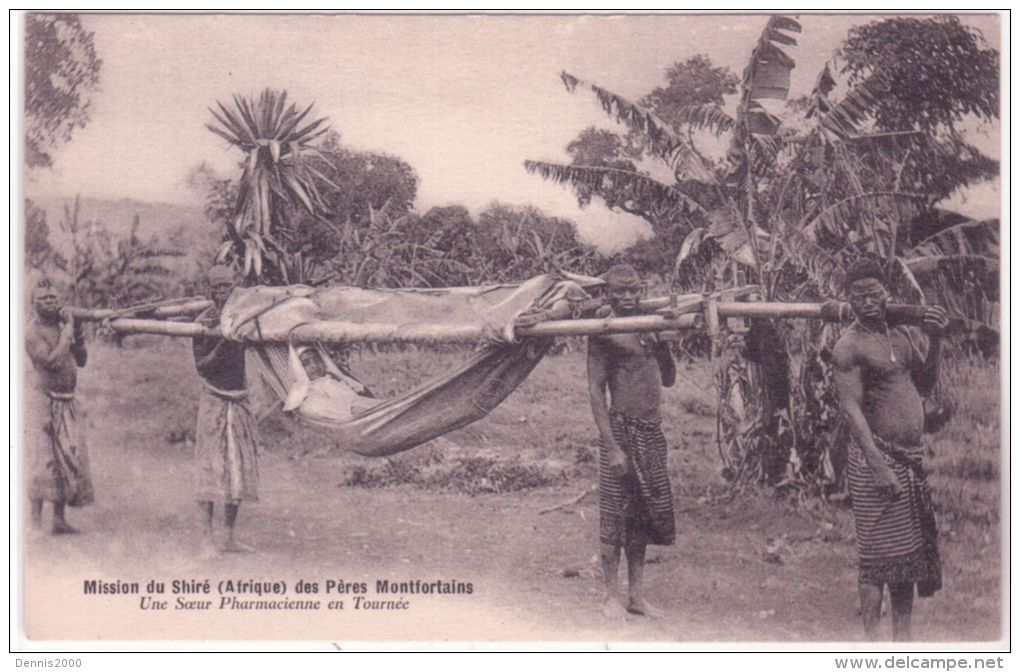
(313, 364)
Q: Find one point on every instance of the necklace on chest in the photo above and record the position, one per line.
(887, 343)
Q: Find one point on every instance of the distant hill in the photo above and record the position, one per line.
(184, 225)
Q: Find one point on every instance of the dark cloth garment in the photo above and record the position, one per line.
(227, 437)
(226, 371)
(897, 539)
(58, 458)
(226, 448)
(636, 509)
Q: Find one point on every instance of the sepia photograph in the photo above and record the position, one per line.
(562, 331)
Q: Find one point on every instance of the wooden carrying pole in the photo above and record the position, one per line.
(339, 332)
(672, 313)
(188, 307)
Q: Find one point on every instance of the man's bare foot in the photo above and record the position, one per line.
(61, 527)
(613, 609)
(234, 546)
(641, 607)
(35, 530)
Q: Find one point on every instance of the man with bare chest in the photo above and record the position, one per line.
(881, 375)
(635, 499)
(56, 451)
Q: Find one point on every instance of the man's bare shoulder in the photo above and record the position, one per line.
(847, 349)
(595, 341)
(37, 331)
(597, 344)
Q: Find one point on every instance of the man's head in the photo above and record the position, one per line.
(865, 282)
(624, 287)
(221, 280)
(46, 299)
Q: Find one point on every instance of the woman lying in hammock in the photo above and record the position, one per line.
(324, 391)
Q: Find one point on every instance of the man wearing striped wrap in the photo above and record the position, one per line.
(55, 448)
(226, 437)
(881, 375)
(635, 500)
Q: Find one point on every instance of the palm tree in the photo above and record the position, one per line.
(280, 172)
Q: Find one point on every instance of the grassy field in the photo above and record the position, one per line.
(755, 568)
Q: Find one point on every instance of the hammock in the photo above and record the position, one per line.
(318, 390)
(287, 329)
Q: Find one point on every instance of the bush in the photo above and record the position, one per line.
(471, 475)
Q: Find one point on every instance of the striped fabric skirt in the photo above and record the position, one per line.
(897, 539)
(636, 509)
(56, 451)
(226, 447)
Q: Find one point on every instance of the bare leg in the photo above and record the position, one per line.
(207, 509)
(60, 525)
(637, 604)
(871, 608)
(207, 546)
(902, 597)
(37, 507)
(231, 545)
(611, 605)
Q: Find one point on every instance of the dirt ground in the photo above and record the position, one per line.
(754, 569)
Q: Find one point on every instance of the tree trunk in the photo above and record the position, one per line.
(769, 365)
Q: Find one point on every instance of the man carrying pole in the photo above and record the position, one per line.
(226, 438)
(635, 499)
(56, 451)
(881, 375)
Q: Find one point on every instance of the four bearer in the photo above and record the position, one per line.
(635, 499)
(56, 454)
(881, 374)
(227, 435)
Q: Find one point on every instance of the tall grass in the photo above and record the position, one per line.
(542, 435)
(967, 453)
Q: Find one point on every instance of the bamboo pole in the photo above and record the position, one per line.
(675, 305)
(771, 310)
(197, 305)
(338, 332)
(130, 325)
(191, 307)
(610, 325)
(691, 303)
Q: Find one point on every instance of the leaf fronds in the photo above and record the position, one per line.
(970, 238)
(709, 117)
(599, 178)
(661, 137)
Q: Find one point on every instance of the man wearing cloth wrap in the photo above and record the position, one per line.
(55, 449)
(226, 439)
(635, 500)
(881, 374)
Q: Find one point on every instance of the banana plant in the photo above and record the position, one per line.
(805, 187)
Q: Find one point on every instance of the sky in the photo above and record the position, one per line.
(463, 99)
